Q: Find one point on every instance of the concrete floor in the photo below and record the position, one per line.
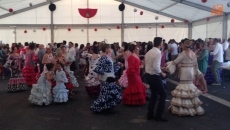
(17, 113)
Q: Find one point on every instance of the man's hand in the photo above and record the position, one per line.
(163, 74)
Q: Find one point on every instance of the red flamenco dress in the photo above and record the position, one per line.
(29, 68)
(135, 93)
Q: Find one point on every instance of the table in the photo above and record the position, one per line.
(224, 71)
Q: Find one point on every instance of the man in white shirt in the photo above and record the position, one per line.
(72, 54)
(174, 50)
(217, 60)
(153, 78)
(225, 47)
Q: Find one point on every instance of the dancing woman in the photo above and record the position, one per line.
(185, 101)
(92, 84)
(110, 95)
(29, 67)
(135, 93)
(14, 63)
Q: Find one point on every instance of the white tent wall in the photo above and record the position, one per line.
(177, 33)
(113, 35)
(208, 29)
(147, 34)
(140, 34)
(228, 24)
(75, 35)
(6, 35)
(39, 36)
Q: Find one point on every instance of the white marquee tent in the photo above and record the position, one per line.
(31, 20)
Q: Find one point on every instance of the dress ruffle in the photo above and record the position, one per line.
(110, 97)
(72, 79)
(123, 81)
(134, 95)
(60, 93)
(41, 94)
(185, 101)
(29, 75)
(16, 84)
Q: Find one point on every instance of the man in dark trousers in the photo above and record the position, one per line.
(153, 77)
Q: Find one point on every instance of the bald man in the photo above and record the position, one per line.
(41, 53)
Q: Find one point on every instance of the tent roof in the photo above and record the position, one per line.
(191, 10)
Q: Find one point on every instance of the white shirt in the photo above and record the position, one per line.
(225, 45)
(174, 49)
(227, 56)
(218, 53)
(72, 53)
(36, 51)
(153, 61)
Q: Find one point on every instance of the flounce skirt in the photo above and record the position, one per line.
(60, 93)
(109, 97)
(16, 84)
(41, 94)
(185, 101)
(29, 75)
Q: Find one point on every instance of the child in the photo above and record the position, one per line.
(41, 92)
(60, 93)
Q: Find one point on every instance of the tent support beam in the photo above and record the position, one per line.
(151, 10)
(27, 9)
(167, 7)
(52, 27)
(181, 24)
(190, 31)
(206, 18)
(198, 6)
(225, 27)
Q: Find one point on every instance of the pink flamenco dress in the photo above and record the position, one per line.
(123, 81)
(17, 81)
(135, 93)
(29, 68)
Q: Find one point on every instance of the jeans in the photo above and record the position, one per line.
(215, 70)
(158, 92)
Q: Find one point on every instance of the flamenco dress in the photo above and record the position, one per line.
(110, 94)
(60, 93)
(41, 92)
(135, 93)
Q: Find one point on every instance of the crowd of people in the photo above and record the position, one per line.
(139, 68)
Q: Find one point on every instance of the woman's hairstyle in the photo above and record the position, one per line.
(59, 63)
(126, 46)
(203, 44)
(132, 47)
(95, 49)
(58, 51)
(165, 46)
(49, 66)
(82, 46)
(104, 47)
(13, 48)
(32, 46)
(149, 46)
(187, 43)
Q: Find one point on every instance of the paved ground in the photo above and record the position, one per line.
(16, 113)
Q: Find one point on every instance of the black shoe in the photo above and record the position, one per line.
(161, 119)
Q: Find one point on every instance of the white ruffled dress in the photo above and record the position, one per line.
(41, 92)
(185, 101)
(60, 93)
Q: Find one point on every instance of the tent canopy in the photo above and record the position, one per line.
(191, 10)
